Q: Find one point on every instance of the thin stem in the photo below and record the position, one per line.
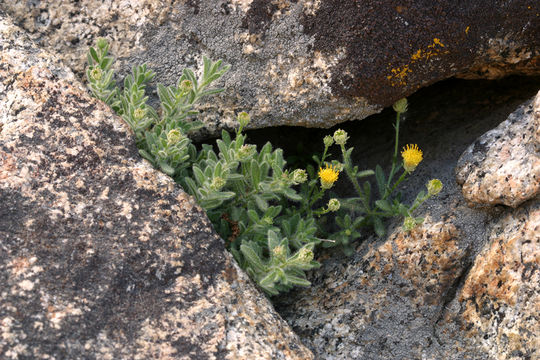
(349, 172)
(310, 192)
(419, 202)
(317, 196)
(401, 178)
(352, 178)
(394, 159)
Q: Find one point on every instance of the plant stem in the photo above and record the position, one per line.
(352, 178)
(394, 159)
(318, 196)
(401, 178)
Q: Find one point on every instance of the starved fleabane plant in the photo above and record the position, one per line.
(271, 217)
(245, 191)
(368, 210)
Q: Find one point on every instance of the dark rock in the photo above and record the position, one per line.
(309, 63)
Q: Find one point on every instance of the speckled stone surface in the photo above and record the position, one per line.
(503, 166)
(298, 62)
(390, 295)
(101, 256)
(499, 303)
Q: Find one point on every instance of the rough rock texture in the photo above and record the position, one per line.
(101, 256)
(499, 303)
(463, 286)
(311, 63)
(503, 166)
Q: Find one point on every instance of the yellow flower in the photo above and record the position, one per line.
(412, 156)
(328, 176)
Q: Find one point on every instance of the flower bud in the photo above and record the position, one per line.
(333, 205)
(243, 118)
(409, 223)
(96, 74)
(340, 137)
(299, 176)
(139, 113)
(101, 43)
(400, 106)
(217, 183)
(279, 252)
(186, 86)
(328, 141)
(434, 187)
(305, 255)
(173, 137)
(245, 152)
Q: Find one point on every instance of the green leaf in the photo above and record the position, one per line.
(191, 187)
(384, 205)
(378, 226)
(212, 92)
(292, 195)
(94, 55)
(221, 196)
(252, 214)
(190, 75)
(295, 280)
(255, 173)
(199, 175)
(365, 173)
(261, 203)
(381, 180)
(273, 239)
(367, 191)
(235, 177)
(166, 168)
(146, 155)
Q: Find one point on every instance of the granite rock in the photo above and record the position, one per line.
(101, 256)
(306, 63)
(499, 303)
(503, 165)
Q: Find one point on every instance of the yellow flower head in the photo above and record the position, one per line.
(328, 176)
(412, 156)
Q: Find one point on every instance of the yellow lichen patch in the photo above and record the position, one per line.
(436, 41)
(399, 75)
(467, 30)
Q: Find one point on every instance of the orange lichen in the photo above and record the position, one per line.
(399, 75)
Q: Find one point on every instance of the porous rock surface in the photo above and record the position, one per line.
(462, 286)
(101, 256)
(310, 63)
(503, 165)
